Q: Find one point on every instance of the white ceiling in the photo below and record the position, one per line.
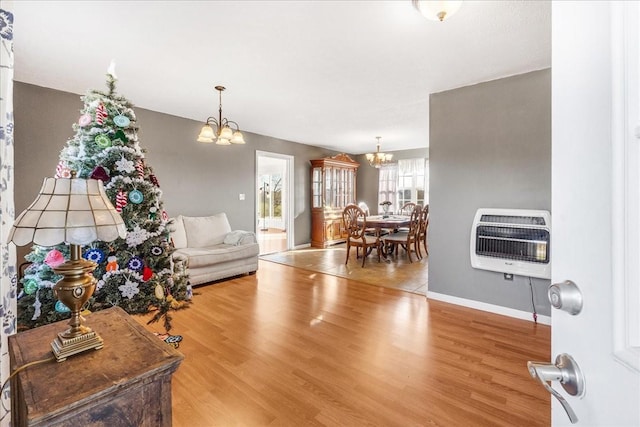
(334, 74)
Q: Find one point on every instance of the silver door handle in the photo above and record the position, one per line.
(565, 370)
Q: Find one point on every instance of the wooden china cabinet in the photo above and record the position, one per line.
(333, 186)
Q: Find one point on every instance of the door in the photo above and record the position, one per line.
(274, 201)
(595, 216)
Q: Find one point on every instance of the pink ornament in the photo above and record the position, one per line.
(54, 258)
(165, 216)
(62, 171)
(154, 180)
(101, 114)
(121, 200)
(84, 120)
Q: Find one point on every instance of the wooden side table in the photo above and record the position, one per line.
(126, 383)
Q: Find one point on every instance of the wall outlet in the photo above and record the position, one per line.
(508, 276)
(241, 196)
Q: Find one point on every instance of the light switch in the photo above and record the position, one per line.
(241, 196)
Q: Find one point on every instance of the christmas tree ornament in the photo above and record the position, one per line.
(54, 258)
(30, 286)
(121, 200)
(146, 273)
(136, 196)
(136, 236)
(95, 255)
(103, 141)
(84, 120)
(120, 136)
(124, 165)
(153, 212)
(165, 216)
(112, 263)
(61, 308)
(156, 250)
(101, 114)
(100, 173)
(140, 169)
(159, 292)
(154, 180)
(135, 263)
(62, 171)
(121, 121)
(129, 289)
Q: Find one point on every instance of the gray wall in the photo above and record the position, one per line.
(196, 179)
(366, 175)
(490, 147)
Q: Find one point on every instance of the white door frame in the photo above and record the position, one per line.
(288, 214)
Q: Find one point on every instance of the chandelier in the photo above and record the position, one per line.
(437, 10)
(378, 159)
(222, 134)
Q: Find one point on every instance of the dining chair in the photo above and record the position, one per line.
(405, 238)
(407, 209)
(354, 220)
(422, 231)
(371, 230)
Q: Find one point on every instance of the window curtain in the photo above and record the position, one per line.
(7, 214)
(387, 184)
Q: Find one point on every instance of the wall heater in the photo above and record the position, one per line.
(515, 241)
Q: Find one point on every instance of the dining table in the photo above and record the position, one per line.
(390, 222)
(386, 222)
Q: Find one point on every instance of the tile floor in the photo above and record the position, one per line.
(397, 272)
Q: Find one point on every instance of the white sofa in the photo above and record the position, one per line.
(212, 250)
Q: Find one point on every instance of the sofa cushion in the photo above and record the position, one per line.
(203, 257)
(203, 231)
(178, 234)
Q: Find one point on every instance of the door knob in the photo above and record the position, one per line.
(565, 296)
(565, 370)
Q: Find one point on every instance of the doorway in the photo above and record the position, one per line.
(274, 202)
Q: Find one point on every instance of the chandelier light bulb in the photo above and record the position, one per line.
(437, 10)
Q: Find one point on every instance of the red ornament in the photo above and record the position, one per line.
(146, 273)
(140, 168)
(101, 114)
(121, 200)
(100, 173)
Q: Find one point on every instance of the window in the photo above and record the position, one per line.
(403, 182)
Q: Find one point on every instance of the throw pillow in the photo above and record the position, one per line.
(204, 231)
(178, 234)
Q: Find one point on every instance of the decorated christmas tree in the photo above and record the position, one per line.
(136, 273)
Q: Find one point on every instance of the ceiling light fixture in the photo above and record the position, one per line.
(223, 134)
(437, 10)
(378, 159)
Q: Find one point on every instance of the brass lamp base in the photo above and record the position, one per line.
(74, 290)
(64, 347)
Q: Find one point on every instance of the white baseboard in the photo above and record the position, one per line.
(303, 246)
(491, 308)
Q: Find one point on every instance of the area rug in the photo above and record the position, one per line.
(397, 272)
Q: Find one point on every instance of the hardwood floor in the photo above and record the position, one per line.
(396, 272)
(290, 347)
